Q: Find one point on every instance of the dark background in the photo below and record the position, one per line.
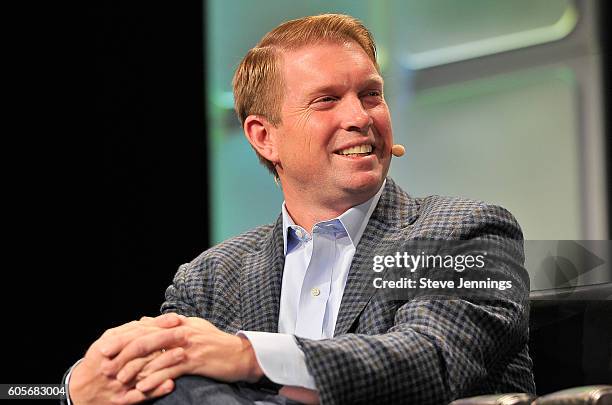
(105, 172)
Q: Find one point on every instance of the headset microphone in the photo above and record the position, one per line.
(398, 150)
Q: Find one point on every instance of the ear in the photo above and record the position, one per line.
(262, 136)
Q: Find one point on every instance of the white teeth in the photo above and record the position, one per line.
(356, 149)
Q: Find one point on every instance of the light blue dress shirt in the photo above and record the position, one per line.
(314, 277)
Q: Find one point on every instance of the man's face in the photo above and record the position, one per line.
(334, 142)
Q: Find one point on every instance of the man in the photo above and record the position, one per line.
(286, 302)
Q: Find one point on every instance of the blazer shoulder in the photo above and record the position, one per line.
(233, 249)
(455, 216)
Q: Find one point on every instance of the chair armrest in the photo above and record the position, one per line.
(587, 395)
(496, 399)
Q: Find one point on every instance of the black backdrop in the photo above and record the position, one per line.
(104, 174)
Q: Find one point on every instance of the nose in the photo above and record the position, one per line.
(355, 117)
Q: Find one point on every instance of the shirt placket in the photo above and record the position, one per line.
(316, 286)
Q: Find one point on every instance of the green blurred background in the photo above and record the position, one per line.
(494, 100)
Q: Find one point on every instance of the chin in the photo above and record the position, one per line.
(364, 183)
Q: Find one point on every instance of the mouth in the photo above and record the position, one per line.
(356, 151)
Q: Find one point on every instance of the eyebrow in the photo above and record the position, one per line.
(374, 80)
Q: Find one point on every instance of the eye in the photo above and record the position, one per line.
(373, 93)
(372, 98)
(325, 99)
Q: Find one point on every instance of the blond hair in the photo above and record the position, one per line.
(258, 81)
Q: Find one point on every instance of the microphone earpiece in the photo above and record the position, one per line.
(398, 150)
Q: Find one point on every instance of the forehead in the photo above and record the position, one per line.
(327, 64)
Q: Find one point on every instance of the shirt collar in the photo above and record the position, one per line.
(354, 220)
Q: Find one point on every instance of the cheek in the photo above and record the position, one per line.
(298, 146)
(381, 114)
(382, 124)
(314, 138)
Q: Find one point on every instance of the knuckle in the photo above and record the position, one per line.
(178, 353)
(141, 348)
(110, 332)
(109, 339)
(115, 385)
(183, 333)
(142, 375)
(106, 368)
(99, 349)
(127, 371)
(94, 350)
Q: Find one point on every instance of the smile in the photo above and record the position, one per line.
(360, 150)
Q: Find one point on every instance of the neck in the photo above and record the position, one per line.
(306, 212)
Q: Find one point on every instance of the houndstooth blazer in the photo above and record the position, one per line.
(411, 352)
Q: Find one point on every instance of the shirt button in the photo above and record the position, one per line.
(315, 292)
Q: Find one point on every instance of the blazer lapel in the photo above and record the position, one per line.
(394, 210)
(260, 283)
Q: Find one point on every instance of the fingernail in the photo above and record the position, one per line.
(121, 376)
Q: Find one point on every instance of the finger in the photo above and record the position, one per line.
(134, 396)
(159, 377)
(120, 328)
(168, 320)
(300, 394)
(143, 346)
(142, 367)
(133, 367)
(121, 334)
(113, 344)
(168, 359)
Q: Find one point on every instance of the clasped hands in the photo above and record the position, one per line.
(139, 361)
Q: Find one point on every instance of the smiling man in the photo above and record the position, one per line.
(331, 149)
(284, 306)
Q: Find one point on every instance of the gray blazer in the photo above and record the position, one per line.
(421, 351)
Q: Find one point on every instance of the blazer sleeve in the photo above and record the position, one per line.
(184, 292)
(437, 349)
